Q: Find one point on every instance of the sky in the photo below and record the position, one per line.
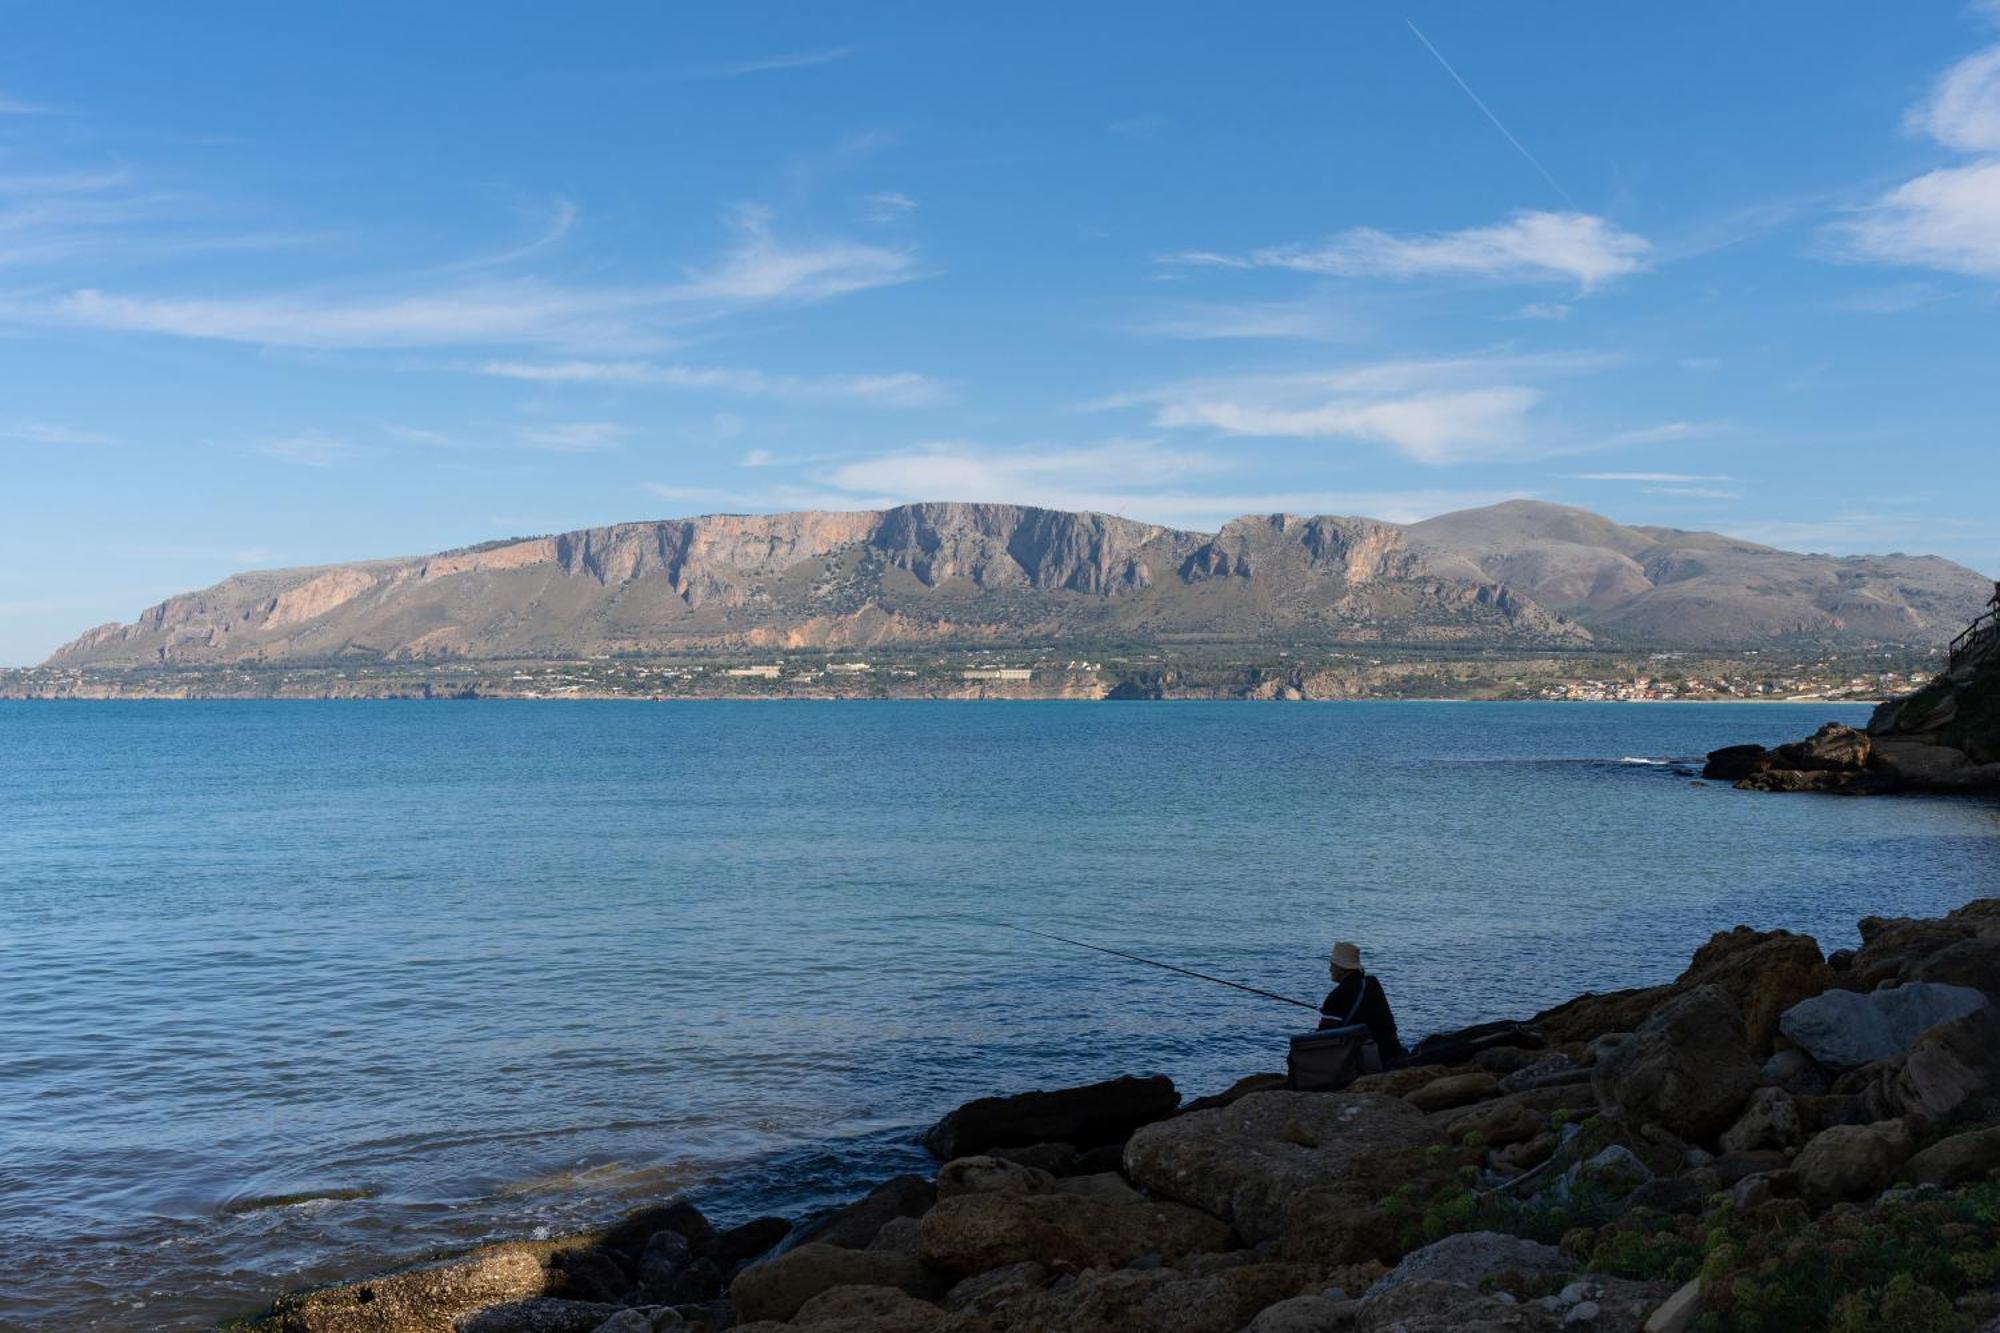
(291, 284)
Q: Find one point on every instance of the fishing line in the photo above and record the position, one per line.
(1151, 962)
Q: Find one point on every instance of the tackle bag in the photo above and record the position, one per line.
(1330, 1060)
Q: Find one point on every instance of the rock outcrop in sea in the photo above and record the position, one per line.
(1776, 1140)
(1943, 738)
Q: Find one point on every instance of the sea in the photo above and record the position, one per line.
(293, 991)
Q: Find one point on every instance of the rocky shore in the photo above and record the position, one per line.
(1943, 738)
(1777, 1140)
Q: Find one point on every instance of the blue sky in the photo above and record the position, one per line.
(285, 284)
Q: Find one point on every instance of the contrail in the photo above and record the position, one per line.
(1518, 146)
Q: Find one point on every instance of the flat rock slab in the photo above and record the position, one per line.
(1845, 1029)
(429, 1299)
(1468, 1258)
(976, 1233)
(1281, 1164)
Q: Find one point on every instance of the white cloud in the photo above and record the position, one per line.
(574, 437)
(757, 458)
(783, 61)
(758, 271)
(1666, 477)
(309, 450)
(1695, 492)
(1964, 108)
(1434, 412)
(961, 471)
(1947, 219)
(887, 206)
(1202, 321)
(40, 432)
(1528, 246)
(14, 106)
(1550, 310)
(899, 389)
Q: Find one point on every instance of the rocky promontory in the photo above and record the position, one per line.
(1779, 1139)
(1943, 738)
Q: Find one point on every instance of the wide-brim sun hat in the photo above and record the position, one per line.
(1346, 957)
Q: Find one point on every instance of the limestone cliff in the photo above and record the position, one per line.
(1513, 575)
(916, 574)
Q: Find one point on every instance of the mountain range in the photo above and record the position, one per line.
(1518, 574)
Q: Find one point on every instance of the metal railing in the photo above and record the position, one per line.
(1975, 637)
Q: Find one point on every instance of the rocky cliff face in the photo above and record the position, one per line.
(1513, 575)
(927, 573)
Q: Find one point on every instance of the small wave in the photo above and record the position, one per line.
(257, 1203)
(1649, 763)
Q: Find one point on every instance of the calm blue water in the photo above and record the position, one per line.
(508, 967)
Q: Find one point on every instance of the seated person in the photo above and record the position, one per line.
(1357, 998)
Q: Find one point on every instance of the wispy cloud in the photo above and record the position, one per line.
(562, 219)
(1528, 246)
(14, 106)
(1434, 412)
(1663, 477)
(1216, 321)
(760, 270)
(574, 437)
(1545, 310)
(900, 389)
(887, 206)
(1695, 492)
(782, 61)
(38, 432)
(308, 450)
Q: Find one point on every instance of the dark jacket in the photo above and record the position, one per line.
(1373, 1010)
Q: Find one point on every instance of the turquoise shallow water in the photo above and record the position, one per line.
(508, 967)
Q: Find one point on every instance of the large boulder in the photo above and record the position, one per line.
(1442, 1094)
(1892, 947)
(1973, 962)
(1851, 1162)
(776, 1288)
(1687, 1069)
(1098, 1113)
(990, 1175)
(1470, 1258)
(1974, 1155)
(857, 1224)
(1950, 1067)
(1834, 748)
(1592, 1015)
(1844, 1029)
(1301, 1168)
(862, 1309)
(974, 1233)
(1159, 1300)
(1764, 972)
(1769, 1120)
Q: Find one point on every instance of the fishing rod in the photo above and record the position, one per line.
(1184, 971)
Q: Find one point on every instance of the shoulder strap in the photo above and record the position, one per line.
(1360, 998)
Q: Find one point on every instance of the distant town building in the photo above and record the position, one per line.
(759, 672)
(848, 668)
(998, 673)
